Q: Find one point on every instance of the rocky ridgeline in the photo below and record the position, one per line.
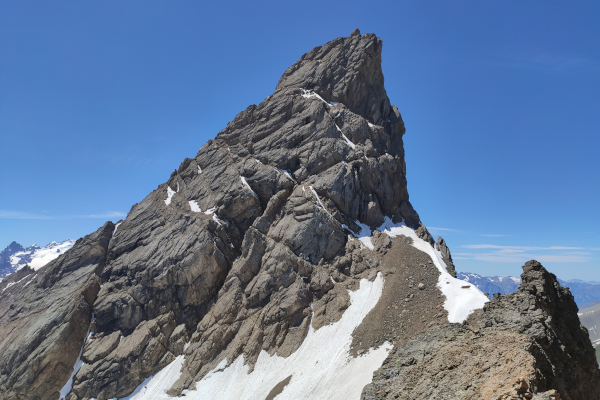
(524, 345)
(250, 244)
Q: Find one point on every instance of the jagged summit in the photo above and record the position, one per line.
(284, 260)
(348, 71)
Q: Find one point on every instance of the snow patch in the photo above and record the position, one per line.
(459, 302)
(309, 94)
(199, 170)
(217, 220)
(116, 227)
(155, 387)
(210, 211)
(194, 206)
(170, 193)
(365, 235)
(321, 368)
(287, 174)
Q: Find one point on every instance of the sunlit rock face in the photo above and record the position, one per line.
(284, 260)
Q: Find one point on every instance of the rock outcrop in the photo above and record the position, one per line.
(45, 316)
(523, 345)
(290, 236)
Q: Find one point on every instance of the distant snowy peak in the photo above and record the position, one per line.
(14, 256)
(586, 294)
(491, 284)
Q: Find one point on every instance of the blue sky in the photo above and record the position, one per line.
(101, 101)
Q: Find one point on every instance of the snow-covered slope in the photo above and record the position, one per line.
(15, 256)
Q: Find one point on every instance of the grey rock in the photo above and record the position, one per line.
(441, 246)
(44, 318)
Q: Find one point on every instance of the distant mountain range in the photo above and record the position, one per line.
(15, 256)
(586, 294)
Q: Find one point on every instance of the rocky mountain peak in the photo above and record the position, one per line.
(346, 70)
(284, 259)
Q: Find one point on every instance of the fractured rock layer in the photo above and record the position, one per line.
(44, 317)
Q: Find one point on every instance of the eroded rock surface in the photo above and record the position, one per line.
(528, 344)
(44, 317)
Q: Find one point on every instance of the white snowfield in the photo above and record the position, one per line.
(321, 368)
(41, 256)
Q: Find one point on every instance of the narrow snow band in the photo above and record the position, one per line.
(13, 283)
(116, 227)
(345, 138)
(248, 186)
(318, 198)
(321, 368)
(199, 170)
(78, 364)
(170, 193)
(29, 281)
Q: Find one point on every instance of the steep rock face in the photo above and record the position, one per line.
(230, 253)
(44, 318)
(527, 344)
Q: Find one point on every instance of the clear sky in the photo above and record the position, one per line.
(101, 101)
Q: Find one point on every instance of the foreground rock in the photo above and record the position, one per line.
(528, 344)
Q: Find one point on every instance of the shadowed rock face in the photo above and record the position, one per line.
(527, 344)
(227, 257)
(44, 317)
